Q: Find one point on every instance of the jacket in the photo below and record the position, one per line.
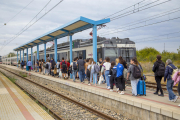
(176, 78)
(168, 72)
(120, 70)
(111, 71)
(155, 67)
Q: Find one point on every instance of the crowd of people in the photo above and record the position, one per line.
(114, 73)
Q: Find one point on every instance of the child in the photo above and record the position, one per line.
(112, 74)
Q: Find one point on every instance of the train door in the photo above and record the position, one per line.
(99, 53)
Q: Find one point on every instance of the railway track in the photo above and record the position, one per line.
(81, 105)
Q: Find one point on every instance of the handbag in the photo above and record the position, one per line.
(101, 79)
(125, 73)
(60, 73)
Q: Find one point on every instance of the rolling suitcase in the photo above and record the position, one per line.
(141, 87)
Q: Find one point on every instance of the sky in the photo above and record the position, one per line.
(69, 10)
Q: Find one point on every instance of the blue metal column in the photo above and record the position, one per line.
(23, 55)
(95, 43)
(70, 44)
(55, 50)
(26, 59)
(20, 58)
(45, 52)
(17, 58)
(32, 57)
(38, 52)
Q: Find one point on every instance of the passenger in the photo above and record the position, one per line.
(48, 67)
(63, 66)
(58, 66)
(68, 69)
(88, 74)
(130, 76)
(119, 76)
(115, 81)
(77, 76)
(112, 73)
(43, 66)
(178, 89)
(170, 82)
(37, 65)
(29, 64)
(125, 67)
(74, 69)
(90, 70)
(106, 67)
(95, 69)
(22, 65)
(158, 69)
(86, 65)
(81, 67)
(100, 63)
(40, 68)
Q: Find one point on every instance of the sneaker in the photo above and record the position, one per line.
(108, 87)
(171, 100)
(162, 95)
(117, 90)
(111, 90)
(89, 84)
(175, 99)
(179, 105)
(121, 93)
(156, 93)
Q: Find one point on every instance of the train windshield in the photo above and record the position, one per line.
(112, 53)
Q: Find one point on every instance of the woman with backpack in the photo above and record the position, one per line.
(95, 70)
(40, 68)
(74, 69)
(168, 75)
(134, 74)
(112, 73)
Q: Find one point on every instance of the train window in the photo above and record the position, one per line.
(127, 52)
(110, 52)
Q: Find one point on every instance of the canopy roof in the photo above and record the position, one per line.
(72, 27)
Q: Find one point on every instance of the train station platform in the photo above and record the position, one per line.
(16, 105)
(150, 102)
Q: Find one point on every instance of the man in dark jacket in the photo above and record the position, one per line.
(170, 82)
(158, 69)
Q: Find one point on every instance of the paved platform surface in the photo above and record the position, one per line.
(16, 105)
(150, 102)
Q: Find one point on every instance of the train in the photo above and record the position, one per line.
(112, 48)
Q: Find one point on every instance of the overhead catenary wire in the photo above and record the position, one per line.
(32, 23)
(17, 13)
(138, 10)
(143, 26)
(145, 19)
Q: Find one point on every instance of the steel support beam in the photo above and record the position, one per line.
(70, 44)
(95, 43)
(55, 50)
(45, 52)
(38, 52)
(32, 56)
(17, 58)
(20, 58)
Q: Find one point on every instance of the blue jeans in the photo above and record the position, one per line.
(107, 78)
(81, 75)
(169, 88)
(95, 78)
(74, 74)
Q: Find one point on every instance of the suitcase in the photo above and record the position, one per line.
(141, 87)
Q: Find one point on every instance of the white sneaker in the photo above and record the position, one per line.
(111, 90)
(122, 93)
(175, 99)
(179, 105)
(108, 87)
(117, 90)
(171, 100)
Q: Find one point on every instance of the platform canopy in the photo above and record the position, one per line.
(72, 27)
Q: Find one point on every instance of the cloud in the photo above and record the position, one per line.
(68, 10)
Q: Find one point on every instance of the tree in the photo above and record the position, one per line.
(11, 54)
(35, 52)
(178, 50)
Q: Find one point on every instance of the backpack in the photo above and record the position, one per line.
(74, 66)
(114, 71)
(64, 65)
(161, 69)
(44, 64)
(96, 68)
(47, 66)
(174, 71)
(137, 72)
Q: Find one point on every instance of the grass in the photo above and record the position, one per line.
(23, 75)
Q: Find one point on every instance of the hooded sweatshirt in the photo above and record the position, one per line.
(168, 72)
